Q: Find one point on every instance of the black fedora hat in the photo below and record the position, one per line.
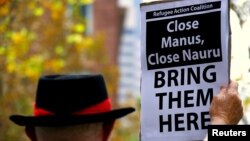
(71, 99)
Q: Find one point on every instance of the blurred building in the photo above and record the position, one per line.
(105, 18)
(129, 53)
(108, 19)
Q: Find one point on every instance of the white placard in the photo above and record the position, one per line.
(185, 50)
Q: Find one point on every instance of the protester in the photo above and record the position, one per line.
(77, 108)
(71, 108)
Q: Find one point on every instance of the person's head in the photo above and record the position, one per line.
(71, 108)
(81, 132)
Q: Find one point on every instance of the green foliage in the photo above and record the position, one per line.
(40, 37)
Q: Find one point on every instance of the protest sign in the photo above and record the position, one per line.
(185, 51)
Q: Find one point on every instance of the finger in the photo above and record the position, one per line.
(233, 84)
(223, 90)
(233, 88)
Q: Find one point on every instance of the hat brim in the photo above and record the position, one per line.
(59, 120)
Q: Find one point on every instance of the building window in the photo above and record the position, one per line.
(87, 13)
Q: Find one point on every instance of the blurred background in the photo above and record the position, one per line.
(39, 37)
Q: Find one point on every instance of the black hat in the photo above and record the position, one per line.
(71, 99)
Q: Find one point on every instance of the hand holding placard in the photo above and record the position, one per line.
(226, 107)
